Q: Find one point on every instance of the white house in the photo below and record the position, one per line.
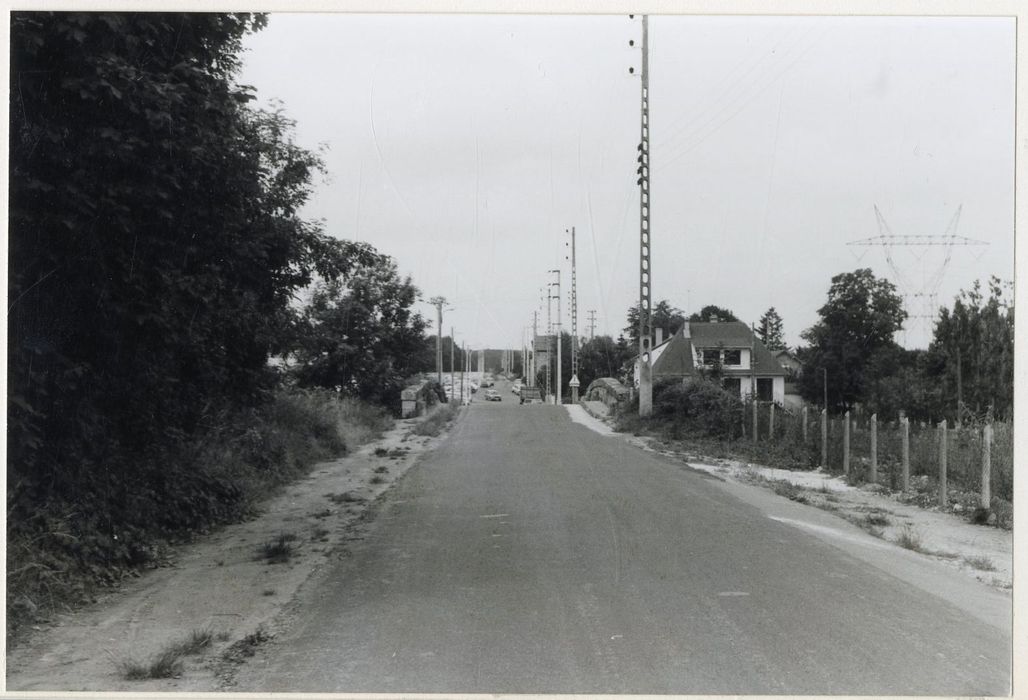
(745, 364)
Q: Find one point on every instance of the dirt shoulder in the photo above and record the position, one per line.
(222, 592)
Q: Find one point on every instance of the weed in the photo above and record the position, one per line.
(981, 563)
(268, 592)
(789, 490)
(909, 538)
(437, 421)
(194, 643)
(166, 664)
(377, 480)
(382, 469)
(223, 636)
(323, 513)
(876, 520)
(279, 550)
(381, 452)
(319, 533)
(247, 646)
(344, 498)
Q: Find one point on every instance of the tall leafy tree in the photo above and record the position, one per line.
(976, 338)
(769, 330)
(662, 315)
(360, 335)
(710, 311)
(860, 318)
(602, 356)
(154, 239)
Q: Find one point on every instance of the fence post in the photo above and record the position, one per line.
(846, 444)
(874, 448)
(804, 425)
(771, 422)
(905, 427)
(986, 501)
(755, 432)
(942, 463)
(824, 438)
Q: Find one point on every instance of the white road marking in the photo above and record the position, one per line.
(732, 594)
(497, 515)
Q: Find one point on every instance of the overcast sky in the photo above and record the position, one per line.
(464, 146)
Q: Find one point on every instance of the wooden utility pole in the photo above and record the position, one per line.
(986, 499)
(824, 438)
(905, 425)
(846, 444)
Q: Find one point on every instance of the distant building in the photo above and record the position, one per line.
(730, 348)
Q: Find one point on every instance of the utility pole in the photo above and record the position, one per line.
(560, 386)
(535, 325)
(549, 341)
(438, 303)
(574, 324)
(463, 362)
(453, 340)
(645, 380)
(592, 323)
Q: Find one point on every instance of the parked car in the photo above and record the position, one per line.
(516, 389)
(492, 395)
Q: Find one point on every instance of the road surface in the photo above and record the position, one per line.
(528, 554)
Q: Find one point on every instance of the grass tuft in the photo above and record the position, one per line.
(279, 550)
(909, 538)
(981, 563)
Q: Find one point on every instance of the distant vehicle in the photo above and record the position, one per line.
(531, 394)
(516, 389)
(487, 383)
(492, 395)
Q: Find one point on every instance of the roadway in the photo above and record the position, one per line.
(527, 554)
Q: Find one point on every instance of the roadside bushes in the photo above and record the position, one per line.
(63, 545)
(693, 408)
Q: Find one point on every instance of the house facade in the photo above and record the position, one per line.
(729, 349)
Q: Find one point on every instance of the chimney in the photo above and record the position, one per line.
(660, 337)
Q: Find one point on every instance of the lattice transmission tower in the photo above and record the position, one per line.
(920, 299)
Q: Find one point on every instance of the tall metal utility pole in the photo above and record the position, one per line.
(574, 324)
(535, 369)
(560, 387)
(549, 341)
(645, 282)
(592, 323)
(438, 303)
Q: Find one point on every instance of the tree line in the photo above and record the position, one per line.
(162, 284)
(966, 371)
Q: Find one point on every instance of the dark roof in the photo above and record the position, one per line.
(676, 359)
(731, 334)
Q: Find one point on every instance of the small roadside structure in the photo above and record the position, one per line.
(417, 397)
(608, 391)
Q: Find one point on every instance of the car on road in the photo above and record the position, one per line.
(531, 394)
(516, 389)
(492, 395)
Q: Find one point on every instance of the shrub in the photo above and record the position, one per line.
(696, 406)
(437, 421)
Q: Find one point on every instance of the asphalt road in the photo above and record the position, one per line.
(528, 554)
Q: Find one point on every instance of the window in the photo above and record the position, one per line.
(765, 389)
(732, 385)
(733, 357)
(711, 357)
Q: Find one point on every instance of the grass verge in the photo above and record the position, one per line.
(437, 421)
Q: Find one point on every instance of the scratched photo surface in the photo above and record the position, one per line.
(499, 353)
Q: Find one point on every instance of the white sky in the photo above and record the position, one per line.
(464, 146)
